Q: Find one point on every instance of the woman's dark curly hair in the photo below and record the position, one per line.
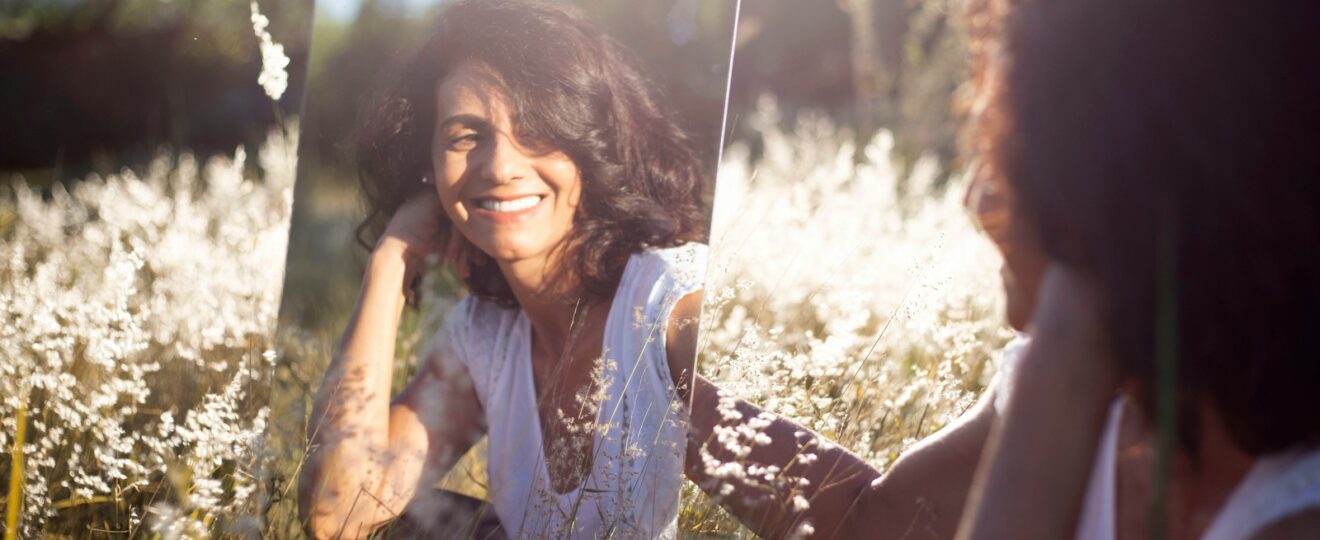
(571, 88)
(1141, 136)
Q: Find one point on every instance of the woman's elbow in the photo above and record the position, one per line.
(331, 512)
(328, 523)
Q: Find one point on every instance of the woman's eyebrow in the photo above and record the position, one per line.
(466, 119)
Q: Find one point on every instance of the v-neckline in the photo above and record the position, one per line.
(526, 370)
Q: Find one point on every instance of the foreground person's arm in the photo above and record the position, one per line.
(367, 456)
(1039, 457)
(920, 496)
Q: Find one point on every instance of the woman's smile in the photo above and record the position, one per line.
(508, 210)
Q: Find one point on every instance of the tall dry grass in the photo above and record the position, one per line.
(846, 294)
(138, 311)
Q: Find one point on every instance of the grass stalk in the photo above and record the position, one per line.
(1166, 374)
(14, 502)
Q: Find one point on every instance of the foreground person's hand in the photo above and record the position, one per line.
(1033, 476)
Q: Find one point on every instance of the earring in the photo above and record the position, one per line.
(426, 179)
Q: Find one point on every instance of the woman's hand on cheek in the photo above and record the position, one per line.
(1036, 465)
(418, 231)
(1068, 335)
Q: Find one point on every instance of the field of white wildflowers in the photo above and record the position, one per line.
(138, 310)
(136, 319)
(855, 299)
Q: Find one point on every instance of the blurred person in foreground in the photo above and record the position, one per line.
(1148, 169)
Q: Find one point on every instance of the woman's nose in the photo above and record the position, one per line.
(507, 161)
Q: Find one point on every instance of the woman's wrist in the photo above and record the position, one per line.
(390, 249)
(391, 252)
(388, 271)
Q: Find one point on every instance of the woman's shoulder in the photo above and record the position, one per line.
(480, 333)
(1009, 357)
(685, 264)
(1279, 495)
(1300, 526)
(477, 322)
(656, 280)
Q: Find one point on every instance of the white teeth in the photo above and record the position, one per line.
(514, 205)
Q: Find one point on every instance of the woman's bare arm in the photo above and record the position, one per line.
(920, 496)
(924, 492)
(681, 342)
(1060, 397)
(368, 455)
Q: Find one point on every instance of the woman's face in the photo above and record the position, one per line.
(1024, 263)
(510, 200)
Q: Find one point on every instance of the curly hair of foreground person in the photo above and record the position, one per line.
(1176, 137)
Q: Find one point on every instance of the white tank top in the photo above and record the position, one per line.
(637, 469)
(1276, 486)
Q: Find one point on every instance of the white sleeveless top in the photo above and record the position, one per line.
(1275, 487)
(637, 470)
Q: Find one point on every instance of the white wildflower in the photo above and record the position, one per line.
(115, 291)
(273, 78)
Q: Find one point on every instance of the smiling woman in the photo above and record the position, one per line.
(510, 202)
(525, 149)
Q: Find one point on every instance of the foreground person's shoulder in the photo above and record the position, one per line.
(1304, 525)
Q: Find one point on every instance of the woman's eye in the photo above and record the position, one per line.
(463, 142)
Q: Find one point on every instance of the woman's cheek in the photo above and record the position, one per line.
(449, 188)
(442, 192)
(575, 196)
